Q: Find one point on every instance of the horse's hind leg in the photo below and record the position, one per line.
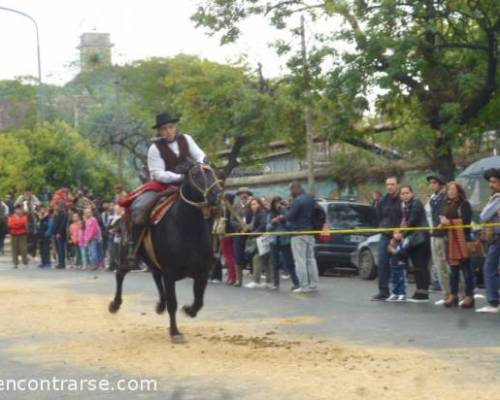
(169, 284)
(162, 302)
(114, 306)
(199, 286)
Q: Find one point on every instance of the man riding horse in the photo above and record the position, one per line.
(168, 158)
(178, 244)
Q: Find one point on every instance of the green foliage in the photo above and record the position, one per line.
(429, 65)
(47, 158)
(15, 167)
(19, 102)
(217, 103)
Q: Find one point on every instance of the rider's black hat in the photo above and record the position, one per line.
(165, 118)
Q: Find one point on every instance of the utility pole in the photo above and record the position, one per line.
(308, 115)
(119, 128)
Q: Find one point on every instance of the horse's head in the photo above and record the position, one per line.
(203, 185)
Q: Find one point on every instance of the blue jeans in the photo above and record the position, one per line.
(84, 254)
(61, 252)
(383, 267)
(45, 252)
(466, 267)
(399, 279)
(492, 273)
(93, 253)
(281, 256)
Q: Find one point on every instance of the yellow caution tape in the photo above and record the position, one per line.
(364, 230)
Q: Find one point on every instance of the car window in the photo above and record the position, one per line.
(351, 216)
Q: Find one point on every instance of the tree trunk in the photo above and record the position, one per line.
(443, 162)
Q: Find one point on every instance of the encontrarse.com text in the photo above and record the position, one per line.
(78, 385)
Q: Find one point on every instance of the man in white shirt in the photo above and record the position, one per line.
(168, 157)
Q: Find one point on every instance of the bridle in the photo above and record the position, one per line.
(204, 205)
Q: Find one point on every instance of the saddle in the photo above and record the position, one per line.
(164, 201)
(158, 208)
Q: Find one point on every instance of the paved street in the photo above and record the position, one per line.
(341, 312)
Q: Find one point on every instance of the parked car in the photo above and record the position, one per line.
(334, 250)
(365, 257)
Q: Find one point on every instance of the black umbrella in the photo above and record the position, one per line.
(477, 169)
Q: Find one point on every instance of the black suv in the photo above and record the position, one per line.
(334, 250)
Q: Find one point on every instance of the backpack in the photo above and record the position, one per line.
(318, 217)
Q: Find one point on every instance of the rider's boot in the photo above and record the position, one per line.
(133, 261)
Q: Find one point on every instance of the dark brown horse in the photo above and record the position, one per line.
(182, 243)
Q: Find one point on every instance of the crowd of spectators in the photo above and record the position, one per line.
(70, 231)
(435, 239)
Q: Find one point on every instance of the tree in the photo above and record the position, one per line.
(16, 170)
(18, 106)
(431, 65)
(52, 156)
(221, 106)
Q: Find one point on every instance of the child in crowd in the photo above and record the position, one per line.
(44, 236)
(75, 230)
(398, 247)
(92, 238)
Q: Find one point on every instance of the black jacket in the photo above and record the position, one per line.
(44, 226)
(389, 213)
(416, 217)
(60, 224)
(416, 213)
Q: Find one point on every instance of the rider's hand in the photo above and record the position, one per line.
(183, 168)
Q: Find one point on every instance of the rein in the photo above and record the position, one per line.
(204, 205)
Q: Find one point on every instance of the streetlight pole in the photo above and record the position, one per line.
(40, 89)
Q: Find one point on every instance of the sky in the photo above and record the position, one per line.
(139, 29)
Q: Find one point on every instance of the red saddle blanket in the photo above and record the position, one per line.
(126, 201)
(162, 207)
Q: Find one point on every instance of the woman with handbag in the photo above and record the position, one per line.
(261, 262)
(458, 211)
(419, 250)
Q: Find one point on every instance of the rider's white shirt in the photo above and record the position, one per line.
(156, 165)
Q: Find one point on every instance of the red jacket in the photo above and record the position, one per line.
(18, 225)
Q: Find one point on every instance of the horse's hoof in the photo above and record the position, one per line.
(178, 339)
(189, 311)
(113, 307)
(160, 307)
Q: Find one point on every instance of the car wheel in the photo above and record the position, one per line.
(321, 270)
(367, 267)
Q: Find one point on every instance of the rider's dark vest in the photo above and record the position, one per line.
(170, 158)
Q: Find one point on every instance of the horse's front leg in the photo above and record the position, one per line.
(169, 283)
(114, 306)
(162, 302)
(199, 286)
